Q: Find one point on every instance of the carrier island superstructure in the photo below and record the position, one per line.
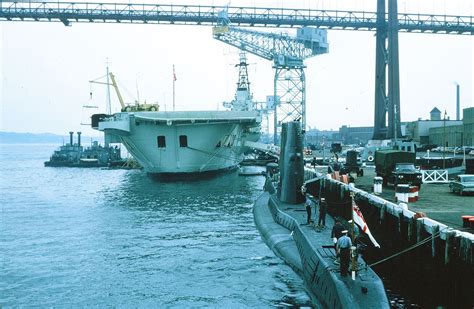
(187, 142)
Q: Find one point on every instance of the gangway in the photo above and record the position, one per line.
(269, 149)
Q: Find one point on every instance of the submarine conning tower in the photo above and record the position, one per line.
(291, 163)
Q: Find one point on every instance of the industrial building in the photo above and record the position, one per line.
(419, 131)
(354, 135)
(457, 135)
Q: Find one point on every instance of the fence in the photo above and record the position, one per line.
(435, 176)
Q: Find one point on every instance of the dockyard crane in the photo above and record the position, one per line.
(288, 54)
(124, 107)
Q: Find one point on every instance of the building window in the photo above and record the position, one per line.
(161, 140)
(183, 141)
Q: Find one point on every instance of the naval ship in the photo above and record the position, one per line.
(187, 142)
(76, 155)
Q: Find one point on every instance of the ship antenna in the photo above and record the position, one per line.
(174, 81)
(108, 104)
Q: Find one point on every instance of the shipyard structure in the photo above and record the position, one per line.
(438, 129)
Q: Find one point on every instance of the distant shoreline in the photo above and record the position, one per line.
(43, 138)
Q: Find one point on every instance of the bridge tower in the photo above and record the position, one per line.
(387, 59)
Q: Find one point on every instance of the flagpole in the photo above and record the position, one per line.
(174, 80)
(353, 237)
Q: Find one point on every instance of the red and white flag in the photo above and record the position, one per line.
(359, 219)
(174, 74)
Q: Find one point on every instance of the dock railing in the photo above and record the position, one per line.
(435, 176)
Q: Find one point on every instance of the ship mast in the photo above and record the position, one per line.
(243, 98)
(243, 84)
(108, 105)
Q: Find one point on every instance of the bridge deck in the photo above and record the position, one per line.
(68, 12)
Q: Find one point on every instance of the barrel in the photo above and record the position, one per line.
(465, 221)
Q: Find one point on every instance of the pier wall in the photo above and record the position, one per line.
(437, 257)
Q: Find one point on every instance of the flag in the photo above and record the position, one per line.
(359, 219)
(174, 74)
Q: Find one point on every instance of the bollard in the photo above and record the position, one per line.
(354, 263)
(402, 192)
(413, 194)
(378, 185)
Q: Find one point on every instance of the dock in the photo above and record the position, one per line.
(422, 242)
(435, 200)
(425, 238)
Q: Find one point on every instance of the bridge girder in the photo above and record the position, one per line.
(70, 12)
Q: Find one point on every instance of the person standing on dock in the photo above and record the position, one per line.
(344, 245)
(308, 208)
(323, 209)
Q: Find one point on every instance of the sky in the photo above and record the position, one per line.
(46, 67)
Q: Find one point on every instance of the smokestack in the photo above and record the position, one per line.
(458, 107)
(79, 139)
(70, 137)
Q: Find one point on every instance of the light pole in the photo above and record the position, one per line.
(444, 139)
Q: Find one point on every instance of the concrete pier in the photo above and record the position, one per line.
(432, 254)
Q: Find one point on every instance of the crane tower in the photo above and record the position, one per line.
(288, 54)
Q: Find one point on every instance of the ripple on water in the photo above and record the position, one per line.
(82, 237)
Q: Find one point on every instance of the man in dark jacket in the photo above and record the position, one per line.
(323, 209)
(308, 209)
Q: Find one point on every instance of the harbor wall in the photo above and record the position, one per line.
(437, 257)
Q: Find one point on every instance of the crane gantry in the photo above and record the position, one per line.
(288, 54)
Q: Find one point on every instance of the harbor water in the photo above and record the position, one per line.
(73, 237)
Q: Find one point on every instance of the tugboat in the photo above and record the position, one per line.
(75, 155)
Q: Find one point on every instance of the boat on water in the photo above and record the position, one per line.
(179, 143)
(75, 155)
